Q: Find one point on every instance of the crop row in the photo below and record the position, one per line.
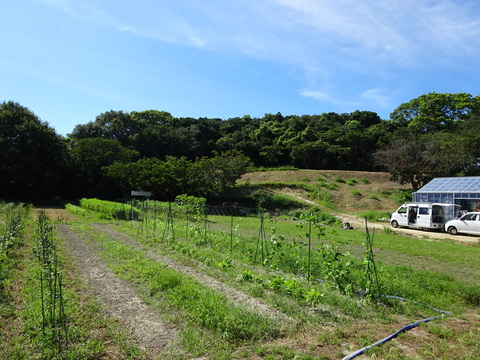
(12, 223)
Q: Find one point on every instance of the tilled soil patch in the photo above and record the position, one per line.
(119, 298)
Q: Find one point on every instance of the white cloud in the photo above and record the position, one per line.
(327, 40)
(377, 97)
(318, 95)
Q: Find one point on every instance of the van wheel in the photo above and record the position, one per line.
(394, 224)
(453, 230)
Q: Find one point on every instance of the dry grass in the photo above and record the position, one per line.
(355, 190)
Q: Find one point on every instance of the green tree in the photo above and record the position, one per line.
(436, 112)
(419, 160)
(176, 176)
(33, 161)
(112, 125)
(89, 157)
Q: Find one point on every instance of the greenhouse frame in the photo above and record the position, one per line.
(464, 191)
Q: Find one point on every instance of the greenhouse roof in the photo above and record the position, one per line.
(453, 184)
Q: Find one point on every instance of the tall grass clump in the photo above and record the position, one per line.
(110, 209)
(275, 201)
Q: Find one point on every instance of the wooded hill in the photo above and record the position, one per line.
(427, 137)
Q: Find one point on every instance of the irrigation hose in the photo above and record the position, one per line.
(394, 335)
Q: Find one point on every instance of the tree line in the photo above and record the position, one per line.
(430, 136)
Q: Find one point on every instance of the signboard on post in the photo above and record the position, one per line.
(143, 194)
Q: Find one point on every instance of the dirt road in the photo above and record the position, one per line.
(359, 224)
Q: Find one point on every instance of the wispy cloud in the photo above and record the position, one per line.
(381, 29)
(323, 39)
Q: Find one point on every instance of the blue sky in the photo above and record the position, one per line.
(71, 60)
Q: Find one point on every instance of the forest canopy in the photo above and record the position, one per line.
(427, 137)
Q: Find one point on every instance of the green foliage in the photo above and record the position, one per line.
(271, 201)
(323, 197)
(402, 196)
(430, 126)
(436, 112)
(351, 181)
(33, 159)
(110, 209)
(175, 176)
(280, 168)
(336, 267)
(374, 215)
(414, 147)
(89, 157)
(53, 317)
(331, 186)
(11, 232)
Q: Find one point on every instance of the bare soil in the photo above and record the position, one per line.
(232, 294)
(119, 298)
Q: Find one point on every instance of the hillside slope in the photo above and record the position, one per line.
(345, 191)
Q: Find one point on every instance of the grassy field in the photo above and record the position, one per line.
(249, 287)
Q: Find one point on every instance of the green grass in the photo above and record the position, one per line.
(198, 304)
(441, 274)
(282, 235)
(90, 335)
(435, 288)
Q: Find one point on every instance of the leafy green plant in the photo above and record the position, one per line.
(356, 193)
(331, 186)
(110, 209)
(10, 235)
(336, 267)
(351, 181)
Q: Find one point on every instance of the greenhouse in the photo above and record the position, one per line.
(464, 191)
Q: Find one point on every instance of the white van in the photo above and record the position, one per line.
(424, 215)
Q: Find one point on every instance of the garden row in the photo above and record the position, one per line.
(300, 264)
(43, 311)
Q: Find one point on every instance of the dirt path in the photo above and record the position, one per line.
(234, 295)
(359, 224)
(119, 298)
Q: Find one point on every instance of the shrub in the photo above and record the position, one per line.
(110, 209)
(332, 186)
(274, 201)
(351, 181)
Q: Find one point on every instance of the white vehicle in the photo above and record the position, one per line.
(424, 215)
(467, 224)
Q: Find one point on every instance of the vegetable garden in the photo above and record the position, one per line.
(297, 258)
(338, 290)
